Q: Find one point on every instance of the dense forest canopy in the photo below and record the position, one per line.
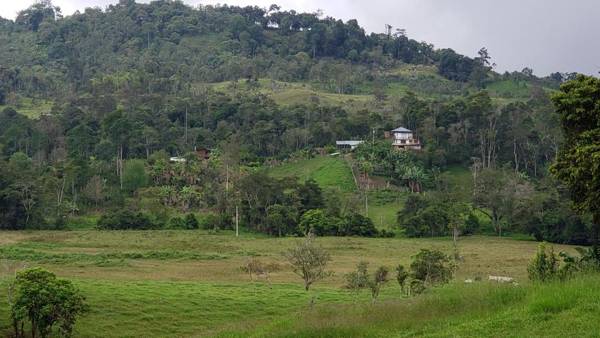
(167, 46)
(129, 86)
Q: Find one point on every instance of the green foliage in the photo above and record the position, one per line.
(435, 214)
(544, 265)
(380, 278)
(501, 195)
(361, 279)
(355, 224)
(191, 222)
(317, 221)
(134, 175)
(431, 267)
(402, 276)
(127, 219)
(46, 302)
(274, 84)
(577, 161)
(177, 223)
(281, 220)
(358, 279)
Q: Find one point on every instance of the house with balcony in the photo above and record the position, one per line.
(404, 139)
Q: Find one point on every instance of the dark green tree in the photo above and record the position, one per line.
(45, 301)
(577, 164)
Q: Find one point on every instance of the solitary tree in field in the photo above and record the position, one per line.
(578, 162)
(309, 261)
(380, 277)
(46, 302)
(431, 267)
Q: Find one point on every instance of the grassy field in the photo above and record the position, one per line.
(568, 309)
(31, 108)
(189, 283)
(327, 171)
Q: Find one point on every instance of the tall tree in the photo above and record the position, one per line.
(578, 162)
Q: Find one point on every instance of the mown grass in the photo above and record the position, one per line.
(201, 256)
(327, 171)
(169, 309)
(17, 253)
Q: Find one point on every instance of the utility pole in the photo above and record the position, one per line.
(227, 178)
(373, 136)
(186, 125)
(237, 222)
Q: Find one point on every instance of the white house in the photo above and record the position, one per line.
(348, 144)
(403, 139)
(177, 159)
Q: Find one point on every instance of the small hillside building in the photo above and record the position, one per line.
(404, 139)
(348, 145)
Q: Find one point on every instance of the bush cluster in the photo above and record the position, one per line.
(428, 268)
(127, 220)
(318, 222)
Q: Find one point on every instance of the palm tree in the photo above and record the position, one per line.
(414, 175)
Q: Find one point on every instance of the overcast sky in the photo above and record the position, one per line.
(546, 35)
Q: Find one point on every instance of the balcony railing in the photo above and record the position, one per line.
(406, 142)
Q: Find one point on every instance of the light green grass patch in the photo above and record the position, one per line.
(327, 171)
(32, 108)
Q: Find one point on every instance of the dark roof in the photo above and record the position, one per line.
(401, 130)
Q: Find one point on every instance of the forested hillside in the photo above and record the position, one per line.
(94, 105)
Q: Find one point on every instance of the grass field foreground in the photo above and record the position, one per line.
(190, 283)
(558, 309)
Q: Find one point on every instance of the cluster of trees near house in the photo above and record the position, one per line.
(129, 88)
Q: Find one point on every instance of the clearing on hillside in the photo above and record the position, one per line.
(327, 171)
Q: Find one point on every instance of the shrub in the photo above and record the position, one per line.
(319, 223)
(380, 277)
(431, 267)
(386, 234)
(358, 279)
(544, 265)
(125, 220)
(472, 224)
(191, 222)
(216, 222)
(401, 277)
(417, 287)
(176, 223)
(356, 224)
